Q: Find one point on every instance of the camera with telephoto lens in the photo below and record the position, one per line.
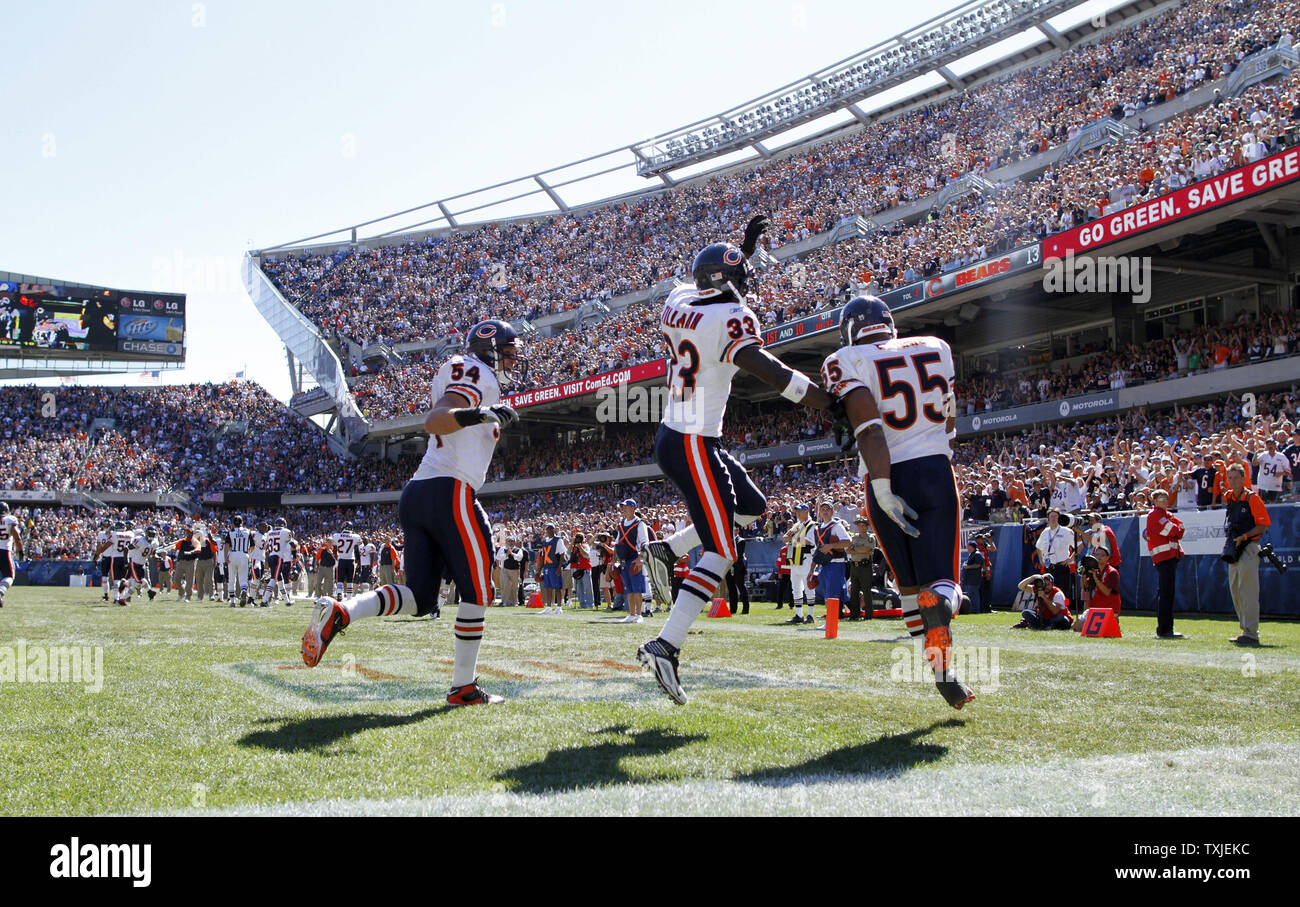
(1266, 553)
(1089, 563)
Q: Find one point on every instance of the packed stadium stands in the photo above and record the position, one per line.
(438, 286)
(1189, 148)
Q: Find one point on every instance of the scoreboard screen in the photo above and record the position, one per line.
(67, 319)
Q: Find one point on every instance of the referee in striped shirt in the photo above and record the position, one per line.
(239, 541)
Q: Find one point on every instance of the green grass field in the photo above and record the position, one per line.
(204, 709)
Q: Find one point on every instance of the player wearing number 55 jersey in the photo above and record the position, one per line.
(899, 395)
(711, 333)
(444, 526)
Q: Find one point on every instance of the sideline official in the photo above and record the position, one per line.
(1164, 534)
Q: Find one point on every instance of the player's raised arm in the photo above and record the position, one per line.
(793, 384)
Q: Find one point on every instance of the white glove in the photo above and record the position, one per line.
(895, 507)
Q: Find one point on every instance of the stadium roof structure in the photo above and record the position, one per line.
(785, 114)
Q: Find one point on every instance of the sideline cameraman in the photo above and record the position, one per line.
(1100, 573)
(1052, 611)
(1247, 518)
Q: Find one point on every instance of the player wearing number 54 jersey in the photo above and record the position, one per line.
(711, 333)
(444, 526)
(898, 392)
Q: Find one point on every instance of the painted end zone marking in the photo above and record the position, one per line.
(421, 680)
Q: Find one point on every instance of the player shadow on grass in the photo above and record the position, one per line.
(313, 734)
(596, 764)
(891, 753)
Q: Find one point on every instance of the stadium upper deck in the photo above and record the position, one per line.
(395, 291)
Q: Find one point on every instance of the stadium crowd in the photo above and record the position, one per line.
(1186, 149)
(553, 264)
(190, 438)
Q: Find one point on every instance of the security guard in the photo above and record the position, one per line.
(1247, 518)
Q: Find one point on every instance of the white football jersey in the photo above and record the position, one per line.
(123, 539)
(463, 454)
(277, 543)
(367, 554)
(908, 377)
(259, 547)
(7, 525)
(104, 540)
(347, 544)
(702, 339)
(140, 551)
(1272, 467)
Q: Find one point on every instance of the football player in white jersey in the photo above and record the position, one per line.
(346, 543)
(104, 542)
(10, 542)
(138, 564)
(444, 525)
(900, 398)
(279, 563)
(366, 553)
(258, 567)
(711, 333)
(123, 537)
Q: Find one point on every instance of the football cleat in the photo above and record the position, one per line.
(658, 560)
(472, 694)
(936, 613)
(327, 623)
(661, 658)
(955, 692)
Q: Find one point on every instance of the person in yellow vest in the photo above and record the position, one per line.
(801, 544)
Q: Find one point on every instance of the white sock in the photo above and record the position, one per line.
(696, 591)
(682, 542)
(382, 602)
(469, 636)
(4, 585)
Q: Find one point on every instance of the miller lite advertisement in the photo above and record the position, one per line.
(78, 319)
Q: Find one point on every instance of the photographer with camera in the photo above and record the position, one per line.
(1247, 518)
(1056, 548)
(1163, 532)
(1052, 608)
(1100, 574)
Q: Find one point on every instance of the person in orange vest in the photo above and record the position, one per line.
(1163, 534)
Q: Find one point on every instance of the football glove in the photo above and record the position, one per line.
(501, 413)
(895, 507)
(753, 230)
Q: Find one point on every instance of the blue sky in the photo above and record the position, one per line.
(148, 144)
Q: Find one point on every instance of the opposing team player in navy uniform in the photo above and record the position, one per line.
(711, 333)
(899, 395)
(443, 523)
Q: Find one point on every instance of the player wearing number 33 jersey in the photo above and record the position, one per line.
(898, 392)
(710, 332)
(444, 525)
